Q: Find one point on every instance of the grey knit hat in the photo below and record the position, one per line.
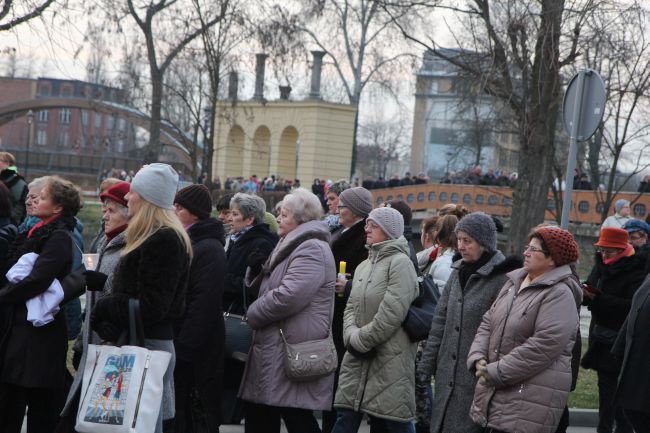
(157, 184)
(619, 204)
(358, 200)
(481, 228)
(389, 220)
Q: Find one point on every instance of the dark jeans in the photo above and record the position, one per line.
(348, 421)
(261, 418)
(608, 413)
(640, 420)
(44, 405)
(198, 402)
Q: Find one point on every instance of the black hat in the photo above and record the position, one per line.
(196, 199)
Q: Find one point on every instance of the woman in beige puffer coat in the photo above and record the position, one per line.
(378, 371)
(522, 350)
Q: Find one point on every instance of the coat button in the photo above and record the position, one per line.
(451, 384)
(453, 356)
(460, 299)
(456, 328)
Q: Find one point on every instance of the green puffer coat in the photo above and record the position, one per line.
(384, 287)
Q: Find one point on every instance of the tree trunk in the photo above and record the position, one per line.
(154, 148)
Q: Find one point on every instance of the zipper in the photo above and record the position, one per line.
(137, 404)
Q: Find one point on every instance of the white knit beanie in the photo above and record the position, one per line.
(389, 220)
(157, 184)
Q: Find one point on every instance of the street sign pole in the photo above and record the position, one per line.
(573, 151)
(582, 112)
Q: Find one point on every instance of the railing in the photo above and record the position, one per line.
(586, 207)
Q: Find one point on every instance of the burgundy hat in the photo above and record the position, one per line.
(560, 243)
(612, 237)
(117, 193)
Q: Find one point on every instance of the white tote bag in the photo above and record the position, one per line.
(122, 387)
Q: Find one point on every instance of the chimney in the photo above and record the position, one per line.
(233, 84)
(285, 91)
(260, 61)
(315, 74)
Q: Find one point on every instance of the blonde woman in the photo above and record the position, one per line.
(153, 269)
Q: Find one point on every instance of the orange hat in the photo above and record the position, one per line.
(612, 237)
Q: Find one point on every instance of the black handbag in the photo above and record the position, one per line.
(420, 315)
(239, 334)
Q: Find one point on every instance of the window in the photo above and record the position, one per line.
(121, 123)
(64, 115)
(44, 90)
(600, 207)
(443, 135)
(443, 196)
(455, 197)
(380, 200)
(492, 200)
(111, 122)
(550, 205)
(43, 115)
(467, 199)
(506, 202)
(84, 117)
(480, 199)
(410, 198)
(432, 196)
(64, 139)
(41, 137)
(98, 120)
(583, 206)
(67, 91)
(420, 196)
(639, 209)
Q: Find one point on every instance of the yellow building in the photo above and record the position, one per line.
(290, 139)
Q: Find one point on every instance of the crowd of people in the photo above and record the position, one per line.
(503, 345)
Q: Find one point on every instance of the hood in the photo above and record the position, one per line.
(561, 274)
(210, 228)
(388, 248)
(305, 231)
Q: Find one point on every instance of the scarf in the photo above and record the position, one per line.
(236, 236)
(41, 224)
(110, 235)
(467, 269)
(628, 251)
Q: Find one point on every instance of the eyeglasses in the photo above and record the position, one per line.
(533, 249)
(636, 237)
(371, 226)
(342, 206)
(609, 251)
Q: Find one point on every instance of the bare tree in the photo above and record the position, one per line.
(359, 39)
(516, 50)
(380, 143)
(14, 13)
(620, 50)
(167, 27)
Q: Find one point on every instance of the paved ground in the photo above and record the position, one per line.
(365, 429)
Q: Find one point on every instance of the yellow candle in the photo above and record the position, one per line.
(342, 266)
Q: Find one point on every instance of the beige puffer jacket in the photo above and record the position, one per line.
(527, 337)
(383, 289)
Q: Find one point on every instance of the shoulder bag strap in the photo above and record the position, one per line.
(136, 329)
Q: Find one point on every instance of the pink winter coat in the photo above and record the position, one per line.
(527, 337)
(298, 296)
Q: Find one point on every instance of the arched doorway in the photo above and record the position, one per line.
(260, 152)
(288, 153)
(234, 152)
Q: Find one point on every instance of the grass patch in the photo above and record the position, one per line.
(585, 395)
(91, 217)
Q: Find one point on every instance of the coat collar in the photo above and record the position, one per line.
(487, 268)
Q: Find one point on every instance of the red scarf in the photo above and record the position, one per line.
(110, 235)
(41, 224)
(434, 254)
(628, 251)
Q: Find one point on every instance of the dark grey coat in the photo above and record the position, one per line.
(454, 326)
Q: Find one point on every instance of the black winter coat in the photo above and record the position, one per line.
(31, 356)
(618, 282)
(633, 347)
(259, 238)
(199, 333)
(350, 247)
(156, 274)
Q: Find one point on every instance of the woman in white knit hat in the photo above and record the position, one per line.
(153, 269)
(377, 375)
